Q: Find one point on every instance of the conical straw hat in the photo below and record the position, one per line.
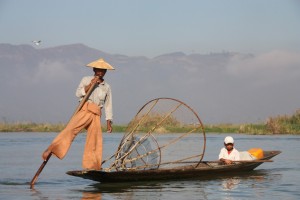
(100, 64)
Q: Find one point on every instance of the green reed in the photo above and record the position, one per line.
(282, 124)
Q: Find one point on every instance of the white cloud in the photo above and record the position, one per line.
(275, 66)
(51, 71)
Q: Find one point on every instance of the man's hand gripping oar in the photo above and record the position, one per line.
(49, 154)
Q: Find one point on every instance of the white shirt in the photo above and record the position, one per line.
(100, 96)
(234, 155)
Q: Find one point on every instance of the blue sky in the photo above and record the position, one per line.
(239, 90)
(151, 28)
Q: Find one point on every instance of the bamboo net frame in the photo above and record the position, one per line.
(144, 146)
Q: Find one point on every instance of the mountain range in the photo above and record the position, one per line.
(38, 84)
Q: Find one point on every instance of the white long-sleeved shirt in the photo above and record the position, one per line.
(234, 155)
(101, 95)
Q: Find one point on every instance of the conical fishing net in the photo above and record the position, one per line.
(165, 133)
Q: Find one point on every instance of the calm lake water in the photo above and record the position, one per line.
(20, 158)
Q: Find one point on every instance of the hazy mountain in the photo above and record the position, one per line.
(38, 84)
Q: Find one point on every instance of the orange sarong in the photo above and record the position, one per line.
(88, 117)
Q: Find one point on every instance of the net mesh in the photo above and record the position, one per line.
(165, 133)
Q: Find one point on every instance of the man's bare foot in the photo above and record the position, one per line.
(46, 154)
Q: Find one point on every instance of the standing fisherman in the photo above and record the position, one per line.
(89, 118)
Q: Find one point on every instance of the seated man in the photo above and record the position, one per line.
(229, 153)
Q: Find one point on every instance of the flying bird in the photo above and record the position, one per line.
(37, 42)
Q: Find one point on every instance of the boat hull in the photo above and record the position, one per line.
(209, 169)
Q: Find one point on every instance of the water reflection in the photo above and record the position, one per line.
(38, 194)
(197, 187)
(233, 187)
(230, 187)
(230, 184)
(91, 195)
(244, 185)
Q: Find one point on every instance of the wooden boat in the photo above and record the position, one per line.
(147, 152)
(204, 169)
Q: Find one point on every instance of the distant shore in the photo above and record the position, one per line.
(42, 127)
(273, 126)
(255, 129)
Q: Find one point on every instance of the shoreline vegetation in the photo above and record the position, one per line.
(282, 124)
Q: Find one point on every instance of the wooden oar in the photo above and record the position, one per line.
(89, 92)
